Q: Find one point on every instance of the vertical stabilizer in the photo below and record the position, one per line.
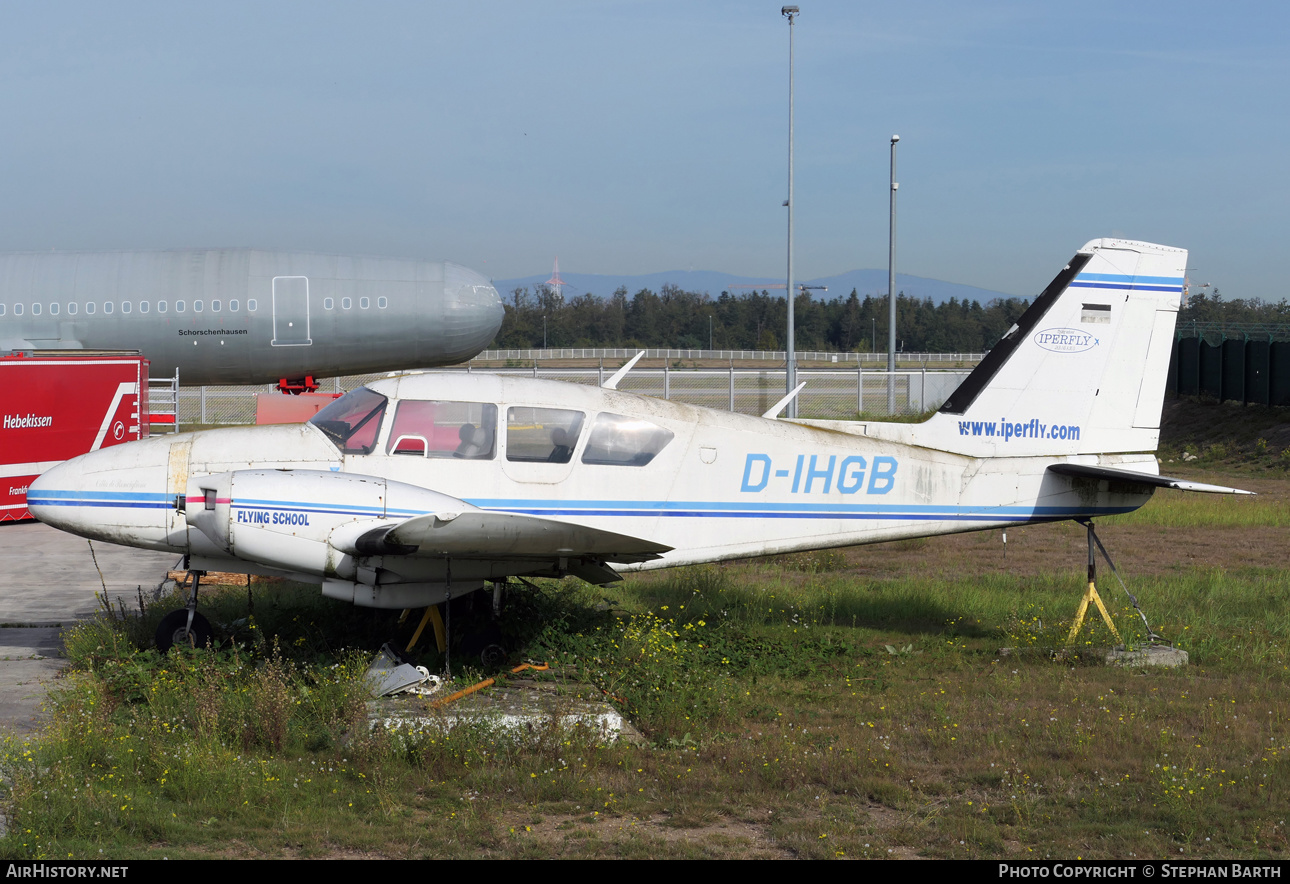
(1083, 371)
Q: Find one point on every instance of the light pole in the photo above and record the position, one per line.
(891, 288)
(790, 374)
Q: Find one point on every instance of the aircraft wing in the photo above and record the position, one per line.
(1081, 471)
(479, 534)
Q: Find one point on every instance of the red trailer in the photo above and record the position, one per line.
(54, 406)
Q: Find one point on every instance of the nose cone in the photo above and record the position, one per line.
(47, 497)
(472, 313)
(117, 495)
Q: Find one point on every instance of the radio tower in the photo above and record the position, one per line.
(555, 281)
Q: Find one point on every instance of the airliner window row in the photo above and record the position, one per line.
(216, 306)
(73, 307)
(348, 303)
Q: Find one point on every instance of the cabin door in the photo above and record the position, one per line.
(291, 311)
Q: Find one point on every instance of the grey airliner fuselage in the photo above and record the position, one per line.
(230, 316)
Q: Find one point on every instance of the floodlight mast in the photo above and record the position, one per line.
(790, 373)
(891, 288)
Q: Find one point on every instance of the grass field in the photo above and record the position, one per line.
(849, 703)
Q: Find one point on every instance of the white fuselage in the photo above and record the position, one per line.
(724, 486)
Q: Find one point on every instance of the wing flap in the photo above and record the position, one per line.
(1082, 471)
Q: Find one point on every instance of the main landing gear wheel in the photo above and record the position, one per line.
(493, 656)
(174, 630)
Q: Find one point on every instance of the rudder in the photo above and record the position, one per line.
(1084, 369)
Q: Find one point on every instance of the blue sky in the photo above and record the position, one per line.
(633, 137)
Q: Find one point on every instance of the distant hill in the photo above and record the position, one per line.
(865, 282)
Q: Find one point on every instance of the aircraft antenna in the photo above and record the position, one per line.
(773, 412)
(612, 383)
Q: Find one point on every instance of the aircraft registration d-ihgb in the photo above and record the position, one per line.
(417, 487)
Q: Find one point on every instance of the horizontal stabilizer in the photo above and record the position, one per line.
(1081, 471)
(478, 534)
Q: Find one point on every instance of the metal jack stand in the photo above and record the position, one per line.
(433, 618)
(1090, 594)
(1153, 637)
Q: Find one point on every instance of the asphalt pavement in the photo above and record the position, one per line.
(50, 580)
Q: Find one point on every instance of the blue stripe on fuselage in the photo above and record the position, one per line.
(624, 508)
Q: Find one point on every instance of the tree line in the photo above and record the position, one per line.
(1212, 307)
(679, 319)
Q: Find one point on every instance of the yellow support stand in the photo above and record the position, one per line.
(431, 616)
(1090, 595)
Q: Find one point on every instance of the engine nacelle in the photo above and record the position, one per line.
(307, 521)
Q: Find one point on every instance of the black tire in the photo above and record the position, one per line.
(493, 656)
(174, 630)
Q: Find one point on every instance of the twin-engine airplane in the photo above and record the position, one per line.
(414, 488)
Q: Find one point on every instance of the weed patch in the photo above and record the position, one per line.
(850, 704)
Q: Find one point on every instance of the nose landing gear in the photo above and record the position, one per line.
(185, 626)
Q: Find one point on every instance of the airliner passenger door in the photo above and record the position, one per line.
(291, 311)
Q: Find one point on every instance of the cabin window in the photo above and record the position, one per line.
(382, 302)
(179, 306)
(35, 309)
(353, 421)
(161, 306)
(125, 306)
(144, 307)
(53, 309)
(17, 309)
(107, 306)
(232, 305)
(624, 441)
(215, 305)
(250, 304)
(546, 435)
(346, 303)
(465, 430)
(364, 303)
(197, 306)
(1, 309)
(71, 308)
(328, 303)
(89, 307)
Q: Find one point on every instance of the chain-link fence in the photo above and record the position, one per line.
(838, 394)
(845, 358)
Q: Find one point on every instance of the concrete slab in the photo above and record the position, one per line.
(522, 708)
(49, 580)
(1152, 655)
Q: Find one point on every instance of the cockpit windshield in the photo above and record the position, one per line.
(353, 421)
